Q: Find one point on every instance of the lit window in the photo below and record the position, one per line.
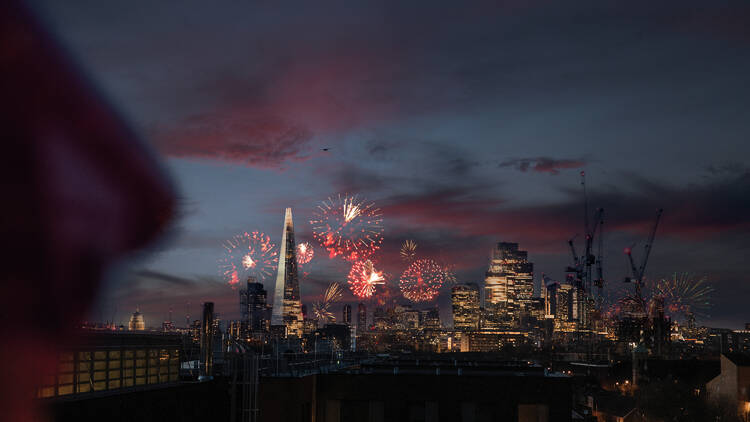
(65, 389)
(46, 392)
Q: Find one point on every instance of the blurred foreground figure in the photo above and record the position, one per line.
(78, 193)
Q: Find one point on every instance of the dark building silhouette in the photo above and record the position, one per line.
(418, 391)
(207, 339)
(347, 314)
(361, 318)
(254, 308)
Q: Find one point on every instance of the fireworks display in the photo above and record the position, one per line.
(348, 227)
(684, 295)
(322, 309)
(363, 277)
(305, 253)
(248, 254)
(680, 296)
(422, 280)
(408, 250)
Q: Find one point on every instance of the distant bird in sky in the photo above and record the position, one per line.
(325, 149)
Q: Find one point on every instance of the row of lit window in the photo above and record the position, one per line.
(113, 369)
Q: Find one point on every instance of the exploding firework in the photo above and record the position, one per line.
(363, 277)
(322, 309)
(450, 275)
(421, 282)
(305, 253)
(408, 250)
(348, 227)
(684, 295)
(248, 255)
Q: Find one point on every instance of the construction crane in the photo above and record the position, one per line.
(581, 271)
(638, 272)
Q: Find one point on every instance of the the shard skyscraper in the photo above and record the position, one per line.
(287, 308)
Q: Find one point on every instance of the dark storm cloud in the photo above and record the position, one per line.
(696, 211)
(544, 164)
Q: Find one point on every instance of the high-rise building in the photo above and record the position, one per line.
(430, 318)
(465, 304)
(509, 281)
(136, 321)
(347, 315)
(287, 309)
(361, 318)
(207, 339)
(253, 308)
(380, 319)
(550, 298)
(564, 302)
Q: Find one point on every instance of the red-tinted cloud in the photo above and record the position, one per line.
(244, 136)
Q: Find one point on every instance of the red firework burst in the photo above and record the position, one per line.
(348, 227)
(421, 282)
(363, 277)
(305, 253)
(248, 255)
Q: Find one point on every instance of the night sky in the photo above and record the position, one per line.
(467, 126)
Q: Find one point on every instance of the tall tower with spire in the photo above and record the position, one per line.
(287, 308)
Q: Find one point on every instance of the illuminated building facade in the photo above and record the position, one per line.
(509, 282)
(136, 323)
(465, 305)
(109, 361)
(287, 308)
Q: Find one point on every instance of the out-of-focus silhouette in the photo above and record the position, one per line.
(79, 192)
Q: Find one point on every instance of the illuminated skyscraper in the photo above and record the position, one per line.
(509, 282)
(465, 301)
(287, 309)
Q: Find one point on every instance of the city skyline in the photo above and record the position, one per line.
(498, 122)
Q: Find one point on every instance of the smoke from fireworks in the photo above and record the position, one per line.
(408, 250)
(684, 295)
(363, 277)
(248, 255)
(322, 309)
(348, 227)
(305, 253)
(422, 280)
